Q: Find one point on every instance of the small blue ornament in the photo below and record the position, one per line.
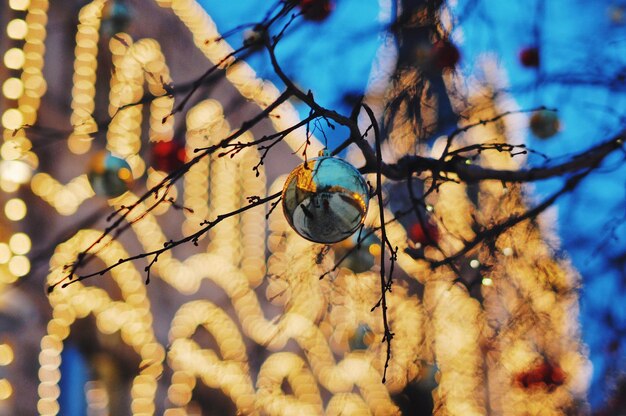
(362, 338)
(108, 175)
(359, 256)
(116, 18)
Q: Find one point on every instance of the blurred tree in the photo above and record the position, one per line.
(242, 314)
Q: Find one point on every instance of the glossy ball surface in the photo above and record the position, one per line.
(358, 257)
(544, 124)
(168, 156)
(445, 55)
(362, 337)
(316, 10)
(116, 18)
(529, 57)
(108, 175)
(424, 234)
(325, 199)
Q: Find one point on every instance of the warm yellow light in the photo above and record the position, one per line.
(124, 174)
(15, 171)
(49, 390)
(13, 88)
(375, 250)
(6, 390)
(15, 209)
(14, 58)
(97, 396)
(19, 266)
(19, 243)
(17, 29)
(487, 281)
(12, 119)
(79, 145)
(8, 186)
(19, 4)
(5, 253)
(48, 406)
(6, 354)
(10, 150)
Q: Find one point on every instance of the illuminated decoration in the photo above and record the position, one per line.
(14, 58)
(529, 57)
(513, 340)
(544, 124)
(22, 93)
(167, 156)
(130, 316)
(13, 88)
(545, 375)
(316, 10)
(65, 199)
(327, 325)
(15, 209)
(84, 77)
(16, 171)
(325, 199)
(109, 175)
(17, 29)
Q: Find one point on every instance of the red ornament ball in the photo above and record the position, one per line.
(425, 234)
(529, 57)
(168, 156)
(544, 124)
(545, 375)
(445, 55)
(316, 10)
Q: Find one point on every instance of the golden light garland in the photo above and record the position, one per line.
(16, 158)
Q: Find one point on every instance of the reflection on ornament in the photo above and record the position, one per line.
(115, 18)
(544, 124)
(545, 375)
(108, 175)
(529, 57)
(444, 55)
(325, 199)
(424, 233)
(316, 10)
(362, 337)
(168, 156)
(360, 256)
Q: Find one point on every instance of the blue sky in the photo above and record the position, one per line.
(582, 49)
